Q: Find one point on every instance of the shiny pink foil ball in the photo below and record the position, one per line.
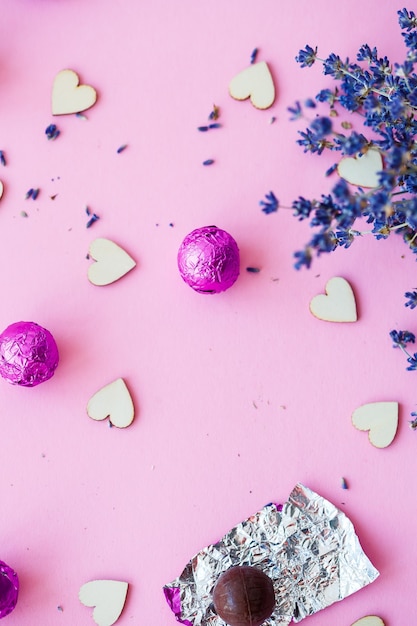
(28, 354)
(9, 589)
(208, 260)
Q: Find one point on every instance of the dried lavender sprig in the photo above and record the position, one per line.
(384, 96)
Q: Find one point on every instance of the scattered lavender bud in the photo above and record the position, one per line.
(253, 56)
(413, 422)
(215, 113)
(271, 204)
(52, 132)
(411, 299)
(32, 193)
(92, 220)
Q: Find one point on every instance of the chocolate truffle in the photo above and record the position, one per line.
(28, 354)
(244, 596)
(208, 260)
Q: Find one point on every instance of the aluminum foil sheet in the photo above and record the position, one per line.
(307, 546)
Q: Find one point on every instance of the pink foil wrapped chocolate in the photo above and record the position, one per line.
(208, 260)
(28, 354)
(307, 547)
(9, 589)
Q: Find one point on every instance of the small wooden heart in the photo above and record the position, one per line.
(369, 620)
(111, 262)
(68, 96)
(380, 419)
(362, 170)
(254, 82)
(1, 189)
(113, 401)
(338, 305)
(107, 596)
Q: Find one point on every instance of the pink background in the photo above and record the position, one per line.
(239, 396)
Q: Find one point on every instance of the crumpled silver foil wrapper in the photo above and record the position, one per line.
(307, 547)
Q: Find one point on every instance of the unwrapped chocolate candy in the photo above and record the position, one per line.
(307, 547)
(244, 596)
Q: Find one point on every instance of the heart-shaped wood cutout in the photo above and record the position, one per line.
(362, 170)
(1, 189)
(380, 418)
(254, 82)
(338, 305)
(369, 620)
(107, 596)
(113, 401)
(111, 262)
(68, 96)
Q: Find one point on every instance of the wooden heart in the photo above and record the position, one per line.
(369, 620)
(362, 170)
(113, 401)
(107, 596)
(111, 262)
(254, 82)
(380, 418)
(338, 305)
(68, 96)
(1, 189)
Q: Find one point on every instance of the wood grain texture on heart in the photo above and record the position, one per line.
(113, 401)
(254, 82)
(362, 170)
(380, 419)
(369, 620)
(68, 96)
(107, 596)
(111, 262)
(338, 304)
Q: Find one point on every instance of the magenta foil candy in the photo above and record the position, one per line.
(9, 589)
(208, 260)
(28, 354)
